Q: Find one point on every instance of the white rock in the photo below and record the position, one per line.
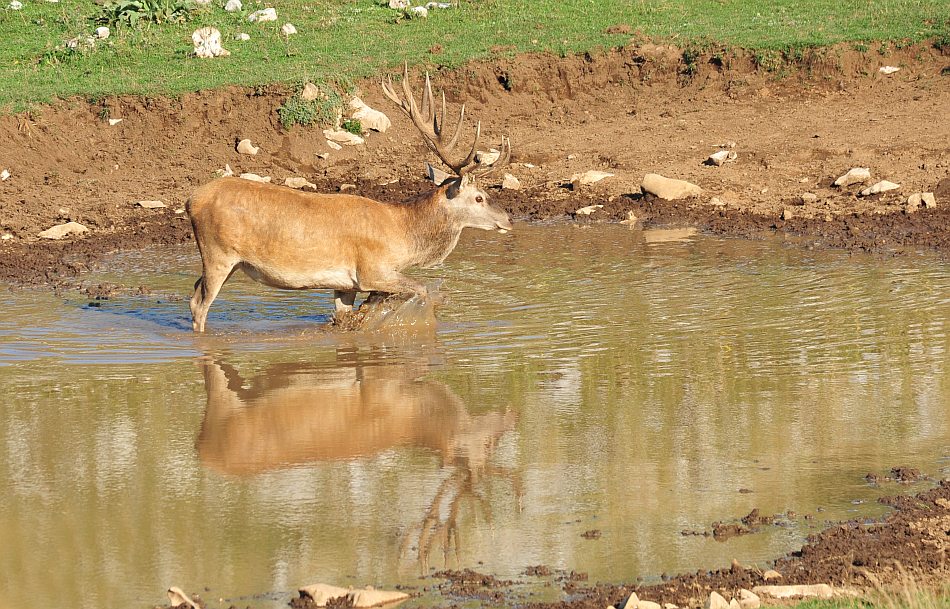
(716, 601)
(321, 594)
(631, 602)
(226, 172)
(809, 197)
(806, 591)
(265, 14)
(369, 597)
(311, 92)
(176, 597)
(61, 230)
(325, 155)
(787, 214)
(419, 11)
(288, 29)
(345, 187)
(670, 606)
(888, 69)
(368, 117)
(15, 5)
(510, 182)
(233, 6)
(343, 137)
(254, 177)
(648, 605)
(398, 4)
(114, 121)
(668, 188)
(914, 201)
(208, 43)
(334, 145)
(590, 177)
(298, 182)
(4, 175)
(718, 158)
(242, 36)
(203, 2)
(631, 219)
(102, 32)
(771, 574)
(487, 158)
(245, 147)
(586, 211)
(857, 175)
(151, 204)
(6, 236)
(442, 5)
(882, 186)
(734, 604)
(749, 599)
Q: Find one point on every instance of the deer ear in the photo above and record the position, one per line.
(455, 187)
(437, 176)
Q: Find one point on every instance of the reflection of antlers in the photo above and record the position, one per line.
(432, 127)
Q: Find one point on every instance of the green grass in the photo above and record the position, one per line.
(353, 39)
(910, 596)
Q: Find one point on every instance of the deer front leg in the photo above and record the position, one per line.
(344, 299)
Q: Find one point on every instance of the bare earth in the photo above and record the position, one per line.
(629, 112)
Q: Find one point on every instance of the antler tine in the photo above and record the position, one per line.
(503, 160)
(428, 106)
(468, 164)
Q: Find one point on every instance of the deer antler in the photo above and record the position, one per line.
(432, 127)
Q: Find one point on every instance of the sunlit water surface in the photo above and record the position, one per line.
(578, 379)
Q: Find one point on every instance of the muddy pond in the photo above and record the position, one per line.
(587, 395)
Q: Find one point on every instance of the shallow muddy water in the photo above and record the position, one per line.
(637, 385)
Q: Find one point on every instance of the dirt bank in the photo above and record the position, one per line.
(646, 108)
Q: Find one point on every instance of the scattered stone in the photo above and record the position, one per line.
(809, 197)
(944, 503)
(857, 175)
(803, 591)
(177, 598)
(749, 599)
(439, 5)
(242, 36)
(15, 5)
(718, 158)
(114, 121)
(882, 186)
(233, 6)
(226, 172)
(62, 230)
(102, 32)
(487, 158)
(288, 29)
(917, 199)
(151, 204)
(716, 601)
(245, 147)
(717, 202)
(254, 177)
(419, 11)
(368, 117)
(324, 594)
(208, 43)
(589, 177)
(343, 137)
(648, 605)
(298, 183)
(4, 175)
(324, 155)
(887, 70)
(631, 219)
(734, 604)
(631, 602)
(399, 4)
(667, 188)
(334, 145)
(510, 182)
(771, 574)
(345, 187)
(6, 237)
(265, 14)
(311, 92)
(586, 211)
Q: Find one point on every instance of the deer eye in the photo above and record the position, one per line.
(479, 199)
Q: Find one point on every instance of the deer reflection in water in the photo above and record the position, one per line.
(295, 413)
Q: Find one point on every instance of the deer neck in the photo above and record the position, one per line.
(434, 232)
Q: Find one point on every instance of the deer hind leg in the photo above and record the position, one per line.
(394, 283)
(206, 289)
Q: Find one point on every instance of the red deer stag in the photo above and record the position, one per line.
(297, 240)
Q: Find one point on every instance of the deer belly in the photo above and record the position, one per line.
(302, 279)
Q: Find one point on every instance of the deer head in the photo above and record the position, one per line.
(464, 199)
